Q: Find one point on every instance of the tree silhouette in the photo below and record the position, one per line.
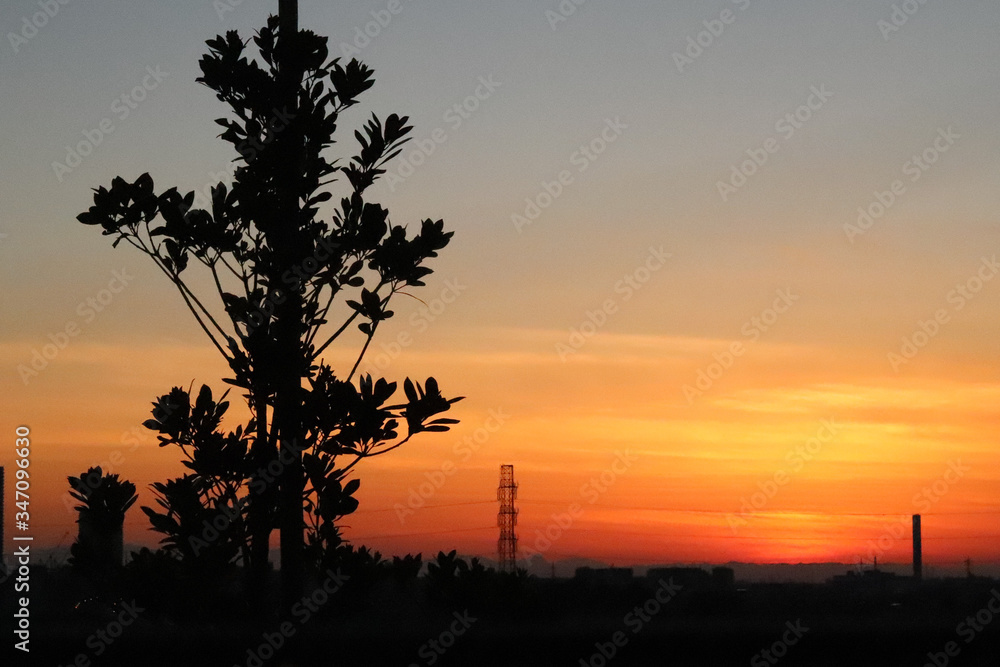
(104, 500)
(446, 567)
(406, 568)
(278, 269)
(443, 575)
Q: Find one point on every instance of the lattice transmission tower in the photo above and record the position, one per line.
(507, 519)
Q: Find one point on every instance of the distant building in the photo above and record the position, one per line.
(605, 576)
(723, 577)
(691, 578)
(868, 579)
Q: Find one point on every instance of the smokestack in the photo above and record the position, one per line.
(917, 555)
(2, 543)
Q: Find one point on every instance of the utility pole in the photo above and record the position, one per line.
(288, 10)
(507, 519)
(285, 237)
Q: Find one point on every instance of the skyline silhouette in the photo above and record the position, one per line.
(729, 320)
(847, 305)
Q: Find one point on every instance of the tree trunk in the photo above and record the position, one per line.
(290, 331)
(260, 510)
(104, 541)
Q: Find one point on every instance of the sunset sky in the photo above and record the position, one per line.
(704, 250)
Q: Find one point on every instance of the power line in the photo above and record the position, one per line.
(670, 536)
(687, 510)
(437, 532)
(831, 539)
(426, 507)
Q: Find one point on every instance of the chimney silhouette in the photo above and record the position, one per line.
(918, 565)
(3, 495)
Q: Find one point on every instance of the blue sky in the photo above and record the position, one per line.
(657, 185)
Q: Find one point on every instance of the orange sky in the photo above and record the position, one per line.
(705, 339)
(817, 443)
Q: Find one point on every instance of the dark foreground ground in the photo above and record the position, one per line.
(522, 622)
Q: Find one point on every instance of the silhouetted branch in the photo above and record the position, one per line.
(181, 287)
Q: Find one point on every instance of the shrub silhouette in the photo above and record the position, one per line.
(277, 269)
(104, 500)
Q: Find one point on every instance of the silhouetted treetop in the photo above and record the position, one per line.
(278, 253)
